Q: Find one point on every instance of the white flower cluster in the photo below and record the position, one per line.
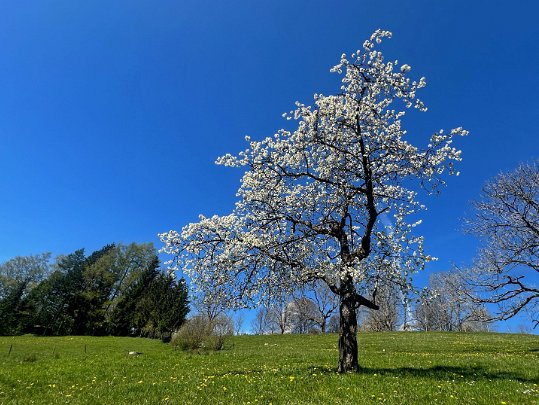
(311, 201)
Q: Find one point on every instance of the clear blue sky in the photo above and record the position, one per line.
(112, 113)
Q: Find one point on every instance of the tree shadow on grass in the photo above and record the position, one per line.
(436, 373)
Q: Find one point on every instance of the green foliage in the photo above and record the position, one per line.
(17, 277)
(29, 269)
(115, 290)
(64, 303)
(398, 368)
(162, 308)
(10, 309)
(121, 320)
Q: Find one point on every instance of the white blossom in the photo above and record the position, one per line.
(311, 199)
(405, 68)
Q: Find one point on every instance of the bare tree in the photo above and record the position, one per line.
(209, 307)
(287, 315)
(479, 320)
(259, 322)
(278, 318)
(326, 303)
(303, 315)
(430, 313)
(507, 220)
(222, 325)
(387, 317)
(447, 305)
(333, 324)
(238, 319)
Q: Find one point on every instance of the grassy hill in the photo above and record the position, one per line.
(398, 368)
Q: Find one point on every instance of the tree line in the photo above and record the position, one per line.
(117, 290)
(445, 304)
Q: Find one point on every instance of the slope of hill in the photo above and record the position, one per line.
(399, 368)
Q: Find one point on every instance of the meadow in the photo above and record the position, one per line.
(397, 368)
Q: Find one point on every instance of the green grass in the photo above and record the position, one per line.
(398, 368)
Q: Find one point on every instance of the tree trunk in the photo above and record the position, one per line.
(348, 352)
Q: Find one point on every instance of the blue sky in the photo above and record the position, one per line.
(111, 115)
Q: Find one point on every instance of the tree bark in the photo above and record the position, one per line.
(350, 301)
(348, 351)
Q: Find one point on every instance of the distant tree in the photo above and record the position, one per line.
(18, 277)
(121, 320)
(288, 314)
(10, 309)
(90, 293)
(209, 307)
(430, 312)
(388, 298)
(285, 316)
(238, 320)
(302, 315)
(312, 200)
(480, 320)
(66, 302)
(278, 318)
(506, 271)
(57, 302)
(162, 308)
(108, 273)
(326, 303)
(223, 325)
(98, 279)
(446, 305)
(31, 269)
(81, 294)
(259, 323)
(127, 263)
(333, 324)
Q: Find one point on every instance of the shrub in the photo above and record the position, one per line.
(198, 333)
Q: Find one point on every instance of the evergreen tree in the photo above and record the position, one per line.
(123, 314)
(163, 307)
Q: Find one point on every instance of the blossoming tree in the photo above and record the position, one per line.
(326, 201)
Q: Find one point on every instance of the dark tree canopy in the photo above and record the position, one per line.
(116, 290)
